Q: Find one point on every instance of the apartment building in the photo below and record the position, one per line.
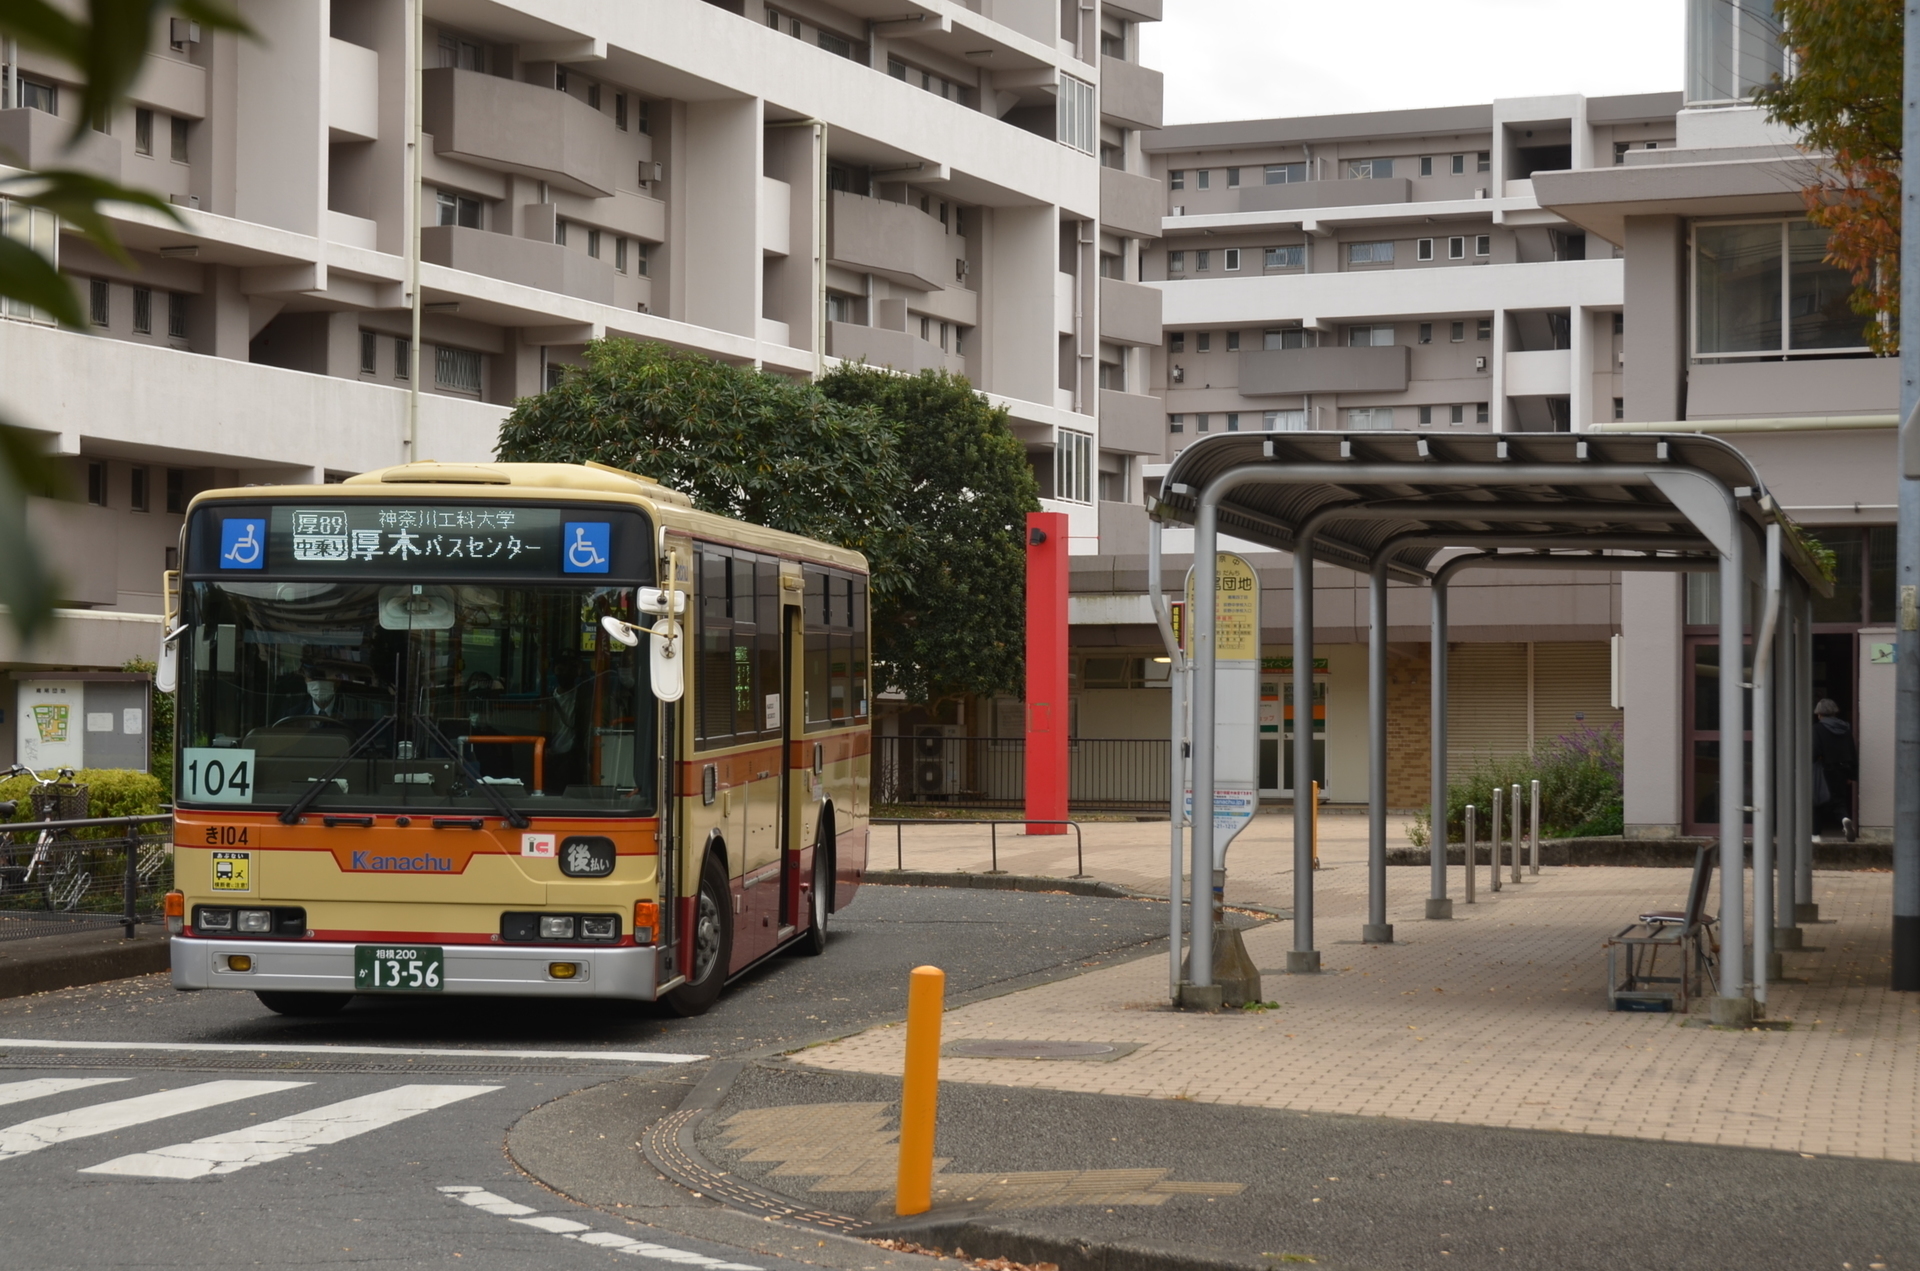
(919, 184)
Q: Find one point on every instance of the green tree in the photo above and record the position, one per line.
(742, 443)
(106, 46)
(1843, 99)
(959, 624)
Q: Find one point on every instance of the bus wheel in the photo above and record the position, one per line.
(813, 942)
(712, 943)
(304, 1004)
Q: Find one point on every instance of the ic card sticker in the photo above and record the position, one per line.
(536, 845)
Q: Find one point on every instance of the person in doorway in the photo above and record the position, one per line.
(1836, 761)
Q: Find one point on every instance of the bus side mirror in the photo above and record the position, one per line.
(166, 673)
(664, 660)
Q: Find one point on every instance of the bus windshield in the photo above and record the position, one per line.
(413, 696)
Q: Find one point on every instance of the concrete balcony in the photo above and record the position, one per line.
(1311, 194)
(1270, 372)
(878, 346)
(514, 127)
(1132, 423)
(526, 261)
(1131, 93)
(34, 139)
(1131, 204)
(1539, 373)
(895, 241)
(1129, 312)
(353, 92)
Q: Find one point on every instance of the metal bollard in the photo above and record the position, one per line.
(1534, 828)
(1472, 864)
(1493, 839)
(1516, 831)
(919, 1091)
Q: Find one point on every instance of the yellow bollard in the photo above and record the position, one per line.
(920, 1091)
(1316, 825)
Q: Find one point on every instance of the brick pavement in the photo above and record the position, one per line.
(1497, 1018)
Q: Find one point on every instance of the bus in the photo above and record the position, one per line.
(535, 730)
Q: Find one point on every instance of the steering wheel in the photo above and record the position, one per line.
(311, 723)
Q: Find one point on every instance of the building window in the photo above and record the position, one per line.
(138, 497)
(1619, 322)
(620, 111)
(1483, 329)
(1286, 257)
(176, 490)
(1177, 179)
(1202, 261)
(98, 312)
(840, 307)
(593, 243)
(1370, 253)
(1457, 248)
(1480, 412)
(97, 484)
(1232, 262)
(642, 116)
(176, 315)
(1200, 422)
(560, 231)
(1077, 122)
(457, 209)
(143, 311)
(1285, 173)
(1176, 262)
(1763, 288)
(1073, 466)
(402, 358)
(1619, 408)
(620, 255)
(1423, 249)
(1233, 421)
(1458, 165)
(1176, 423)
(1369, 337)
(1285, 420)
(369, 352)
(1733, 49)
(1233, 341)
(1233, 178)
(1370, 419)
(468, 56)
(37, 96)
(1483, 245)
(1483, 162)
(1426, 416)
(182, 137)
(1287, 338)
(642, 258)
(457, 370)
(1457, 333)
(143, 131)
(593, 96)
(1177, 342)
(1456, 414)
(1205, 176)
(1426, 165)
(1203, 341)
(1426, 333)
(1369, 169)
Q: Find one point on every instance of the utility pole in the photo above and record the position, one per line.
(1906, 772)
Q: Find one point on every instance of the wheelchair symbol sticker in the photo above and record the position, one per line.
(243, 544)
(585, 546)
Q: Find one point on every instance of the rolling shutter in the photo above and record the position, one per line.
(1486, 703)
(1572, 680)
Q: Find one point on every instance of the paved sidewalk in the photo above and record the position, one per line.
(1495, 1019)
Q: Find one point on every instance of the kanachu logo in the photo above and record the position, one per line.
(426, 863)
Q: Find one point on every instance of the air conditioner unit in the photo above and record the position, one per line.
(936, 759)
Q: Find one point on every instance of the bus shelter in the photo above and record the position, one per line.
(1401, 506)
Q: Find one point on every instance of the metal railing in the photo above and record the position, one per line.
(55, 877)
(993, 838)
(928, 769)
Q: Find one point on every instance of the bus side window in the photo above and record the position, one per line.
(767, 645)
(818, 655)
(840, 623)
(742, 597)
(860, 699)
(714, 661)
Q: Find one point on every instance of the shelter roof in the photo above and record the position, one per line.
(1572, 514)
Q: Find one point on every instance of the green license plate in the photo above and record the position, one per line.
(398, 968)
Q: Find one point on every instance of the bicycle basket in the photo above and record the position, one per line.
(62, 802)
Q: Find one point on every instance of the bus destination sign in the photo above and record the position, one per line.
(382, 540)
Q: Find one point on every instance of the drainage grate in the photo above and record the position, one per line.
(1003, 1049)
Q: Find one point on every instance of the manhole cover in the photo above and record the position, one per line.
(997, 1049)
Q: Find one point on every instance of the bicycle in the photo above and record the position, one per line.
(62, 883)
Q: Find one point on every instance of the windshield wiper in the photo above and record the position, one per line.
(514, 816)
(294, 810)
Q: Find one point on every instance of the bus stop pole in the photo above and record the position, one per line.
(1200, 990)
(1438, 905)
(1732, 1007)
(1176, 747)
(1377, 929)
(1303, 958)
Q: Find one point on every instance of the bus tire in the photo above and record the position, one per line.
(712, 943)
(813, 941)
(303, 1005)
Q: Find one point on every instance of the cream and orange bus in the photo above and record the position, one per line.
(521, 729)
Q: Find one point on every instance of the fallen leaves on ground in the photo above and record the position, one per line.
(960, 1255)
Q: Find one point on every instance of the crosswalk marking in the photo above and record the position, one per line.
(490, 1203)
(41, 1087)
(333, 1048)
(105, 1118)
(275, 1140)
(567, 1228)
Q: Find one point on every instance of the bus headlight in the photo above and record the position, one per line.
(256, 920)
(556, 927)
(208, 919)
(599, 927)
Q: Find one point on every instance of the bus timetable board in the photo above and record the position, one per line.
(342, 538)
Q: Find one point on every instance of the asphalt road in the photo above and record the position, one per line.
(317, 1153)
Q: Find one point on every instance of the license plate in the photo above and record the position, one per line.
(399, 968)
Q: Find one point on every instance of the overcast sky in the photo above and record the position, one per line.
(1253, 59)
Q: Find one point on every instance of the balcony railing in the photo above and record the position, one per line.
(987, 772)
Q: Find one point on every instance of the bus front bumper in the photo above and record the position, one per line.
(630, 973)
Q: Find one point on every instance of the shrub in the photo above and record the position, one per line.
(110, 792)
(1579, 775)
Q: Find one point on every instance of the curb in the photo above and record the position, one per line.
(1674, 853)
(73, 964)
(1022, 1244)
(998, 882)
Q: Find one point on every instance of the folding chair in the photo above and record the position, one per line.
(1688, 932)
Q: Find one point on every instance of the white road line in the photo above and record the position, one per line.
(276, 1140)
(105, 1118)
(275, 1048)
(486, 1201)
(41, 1087)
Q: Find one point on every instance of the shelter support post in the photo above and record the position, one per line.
(1763, 791)
(1176, 748)
(1438, 904)
(1786, 772)
(1804, 908)
(1377, 930)
(1732, 1007)
(1303, 958)
(1906, 724)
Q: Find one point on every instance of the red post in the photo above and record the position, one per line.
(1048, 708)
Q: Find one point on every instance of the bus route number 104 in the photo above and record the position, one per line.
(216, 774)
